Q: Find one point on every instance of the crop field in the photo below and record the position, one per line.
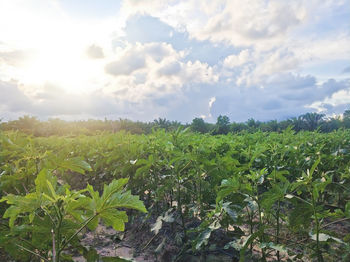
(184, 196)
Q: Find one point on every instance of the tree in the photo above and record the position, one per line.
(346, 114)
(330, 124)
(238, 127)
(222, 125)
(270, 126)
(253, 124)
(198, 125)
(162, 123)
(312, 120)
(346, 119)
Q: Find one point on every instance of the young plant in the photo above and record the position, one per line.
(309, 189)
(47, 222)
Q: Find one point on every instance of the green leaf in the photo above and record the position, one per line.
(114, 218)
(300, 216)
(246, 244)
(312, 170)
(126, 200)
(347, 209)
(232, 213)
(91, 255)
(76, 164)
(41, 184)
(113, 197)
(20, 205)
(228, 186)
(273, 195)
(93, 224)
(112, 188)
(52, 190)
(203, 238)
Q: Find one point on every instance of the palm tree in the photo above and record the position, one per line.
(312, 120)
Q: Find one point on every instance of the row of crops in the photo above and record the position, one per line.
(275, 196)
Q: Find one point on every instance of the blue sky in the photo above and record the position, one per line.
(174, 59)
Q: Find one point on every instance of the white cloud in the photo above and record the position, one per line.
(240, 23)
(95, 52)
(283, 96)
(64, 66)
(237, 60)
(338, 98)
(126, 65)
(146, 73)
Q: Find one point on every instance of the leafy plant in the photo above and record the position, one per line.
(47, 222)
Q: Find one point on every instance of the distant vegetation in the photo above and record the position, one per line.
(223, 125)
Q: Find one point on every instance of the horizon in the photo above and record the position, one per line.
(178, 60)
(324, 118)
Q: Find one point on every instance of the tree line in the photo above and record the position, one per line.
(223, 125)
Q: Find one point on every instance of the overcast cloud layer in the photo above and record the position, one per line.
(175, 59)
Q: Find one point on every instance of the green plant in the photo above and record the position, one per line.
(47, 222)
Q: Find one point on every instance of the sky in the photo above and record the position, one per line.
(141, 60)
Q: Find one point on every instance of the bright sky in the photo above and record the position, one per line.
(178, 60)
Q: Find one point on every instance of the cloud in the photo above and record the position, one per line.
(340, 98)
(133, 57)
(50, 100)
(164, 71)
(250, 68)
(95, 52)
(346, 70)
(144, 90)
(313, 48)
(238, 23)
(12, 97)
(16, 57)
(148, 29)
(286, 95)
(237, 60)
(172, 68)
(176, 59)
(125, 65)
(243, 24)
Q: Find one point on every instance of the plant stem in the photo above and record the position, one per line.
(29, 251)
(334, 222)
(179, 207)
(278, 229)
(59, 236)
(54, 257)
(77, 232)
(250, 227)
(318, 251)
(261, 237)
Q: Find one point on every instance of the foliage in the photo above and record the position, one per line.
(198, 125)
(283, 194)
(45, 220)
(306, 122)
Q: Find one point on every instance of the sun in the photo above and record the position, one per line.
(57, 46)
(64, 65)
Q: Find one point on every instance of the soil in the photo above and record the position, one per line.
(138, 243)
(107, 242)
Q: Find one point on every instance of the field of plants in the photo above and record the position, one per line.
(244, 197)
